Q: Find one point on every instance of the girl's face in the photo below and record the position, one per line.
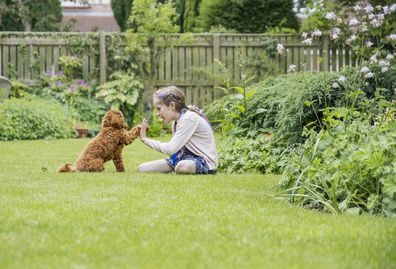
(167, 113)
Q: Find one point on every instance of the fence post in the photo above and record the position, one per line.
(216, 46)
(325, 53)
(102, 57)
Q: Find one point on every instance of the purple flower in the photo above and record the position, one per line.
(73, 88)
(49, 73)
(59, 73)
(58, 83)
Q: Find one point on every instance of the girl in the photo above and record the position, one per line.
(192, 149)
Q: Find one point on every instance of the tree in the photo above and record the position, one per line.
(151, 24)
(249, 16)
(122, 10)
(30, 15)
(188, 13)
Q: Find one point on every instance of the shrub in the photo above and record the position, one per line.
(33, 119)
(348, 166)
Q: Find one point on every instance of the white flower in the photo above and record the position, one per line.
(291, 69)
(341, 79)
(368, 9)
(392, 36)
(331, 16)
(335, 85)
(373, 58)
(384, 69)
(365, 69)
(353, 22)
(386, 9)
(353, 37)
(381, 16)
(369, 75)
(369, 44)
(357, 8)
(392, 7)
(304, 35)
(317, 33)
(280, 48)
(376, 23)
(307, 41)
(383, 63)
(389, 57)
(335, 33)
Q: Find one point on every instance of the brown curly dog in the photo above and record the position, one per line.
(106, 146)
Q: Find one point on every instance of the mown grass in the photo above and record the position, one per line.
(131, 220)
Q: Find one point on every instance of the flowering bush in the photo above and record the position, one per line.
(75, 94)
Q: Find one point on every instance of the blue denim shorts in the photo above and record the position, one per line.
(201, 167)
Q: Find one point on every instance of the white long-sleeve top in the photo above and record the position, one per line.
(193, 132)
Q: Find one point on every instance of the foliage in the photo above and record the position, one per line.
(349, 165)
(71, 66)
(33, 118)
(27, 15)
(76, 95)
(19, 89)
(188, 14)
(122, 92)
(122, 10)
(247, 16)
(262, 154)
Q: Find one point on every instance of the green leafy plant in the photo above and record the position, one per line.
(33, 118)
(122, 92)
(348, 166)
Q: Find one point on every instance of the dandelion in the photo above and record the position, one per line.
(331, 16)
(353, 22)
(291, 69)
(280, 48)
(365, 70)
(307, 41)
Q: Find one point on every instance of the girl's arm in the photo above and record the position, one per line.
(185, 129)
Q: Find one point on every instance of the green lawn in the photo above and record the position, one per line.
(131, 220)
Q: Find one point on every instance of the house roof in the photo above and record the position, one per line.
(97, 17)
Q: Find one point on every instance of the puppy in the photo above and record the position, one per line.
(106, 146)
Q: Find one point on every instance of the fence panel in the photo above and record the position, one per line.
(27, 55)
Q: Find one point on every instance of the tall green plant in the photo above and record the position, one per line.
(150, 26)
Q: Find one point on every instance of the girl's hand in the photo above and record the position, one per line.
(144, 129)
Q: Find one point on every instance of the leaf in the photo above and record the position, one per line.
(241, 108)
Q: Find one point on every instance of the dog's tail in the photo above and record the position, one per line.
(67, 168)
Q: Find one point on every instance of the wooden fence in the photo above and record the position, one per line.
(25, 56)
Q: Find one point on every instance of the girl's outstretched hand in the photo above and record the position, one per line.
(144, 129)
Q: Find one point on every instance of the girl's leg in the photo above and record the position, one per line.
(185, 167)
(155, 166)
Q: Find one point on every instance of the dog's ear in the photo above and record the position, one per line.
(106, 121)
(117, 120)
